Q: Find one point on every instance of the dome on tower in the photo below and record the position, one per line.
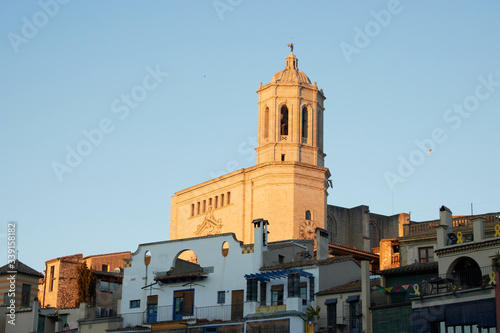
(291, 73)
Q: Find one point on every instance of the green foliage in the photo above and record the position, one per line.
(86, 285)
(312, 313)
(496, 261)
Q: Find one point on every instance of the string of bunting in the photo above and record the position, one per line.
(403, 288)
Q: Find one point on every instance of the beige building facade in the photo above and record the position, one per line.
(288, 185)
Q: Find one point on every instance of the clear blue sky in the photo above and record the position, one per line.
(403, 78)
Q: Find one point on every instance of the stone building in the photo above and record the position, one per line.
(288, 184)
(58, 289)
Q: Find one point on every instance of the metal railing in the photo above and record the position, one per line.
(166, 313)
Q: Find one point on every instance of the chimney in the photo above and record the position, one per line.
(445, 227)
(478, 228)
(446, 217)
(259, 240)
(321, 244)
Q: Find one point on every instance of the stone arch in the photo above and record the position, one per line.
(284, 120)
(186, 261)
(465, 272)
(374, 233)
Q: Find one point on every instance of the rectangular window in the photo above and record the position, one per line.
(221, 297)
(192, 209)
(282, 157)
(277, 295)
(52, 278)
(136, 303)
(6, 299)
(281, 259)
(104, 268)
(228, 198)
(222, 200)
(216, 202)
(303, 292)
(426, 254)
(204, 206)
(331, 317)
(25, 296)
(210, 203)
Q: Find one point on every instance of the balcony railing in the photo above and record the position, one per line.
(459, 224)
(166, 313)
(459, 280)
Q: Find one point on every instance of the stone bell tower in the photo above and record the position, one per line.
(291, 118)
(288, 185)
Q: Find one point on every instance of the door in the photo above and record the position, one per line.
(354, 317)
(237, 298)
(152, 309)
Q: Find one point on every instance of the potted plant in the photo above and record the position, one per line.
(312, 314)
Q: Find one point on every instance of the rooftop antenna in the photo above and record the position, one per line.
(471, 209)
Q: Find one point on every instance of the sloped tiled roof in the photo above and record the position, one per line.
(19, 268)
(349, 286)
(421, 267)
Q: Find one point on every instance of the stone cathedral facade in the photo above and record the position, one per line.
(288, 185)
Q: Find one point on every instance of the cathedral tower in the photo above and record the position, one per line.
(288, 185)
(290, 118)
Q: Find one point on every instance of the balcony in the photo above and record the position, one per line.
(460, 223)
(200, 314)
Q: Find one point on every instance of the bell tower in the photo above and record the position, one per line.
(290, 118)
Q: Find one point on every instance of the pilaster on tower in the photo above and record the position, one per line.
(290, 118)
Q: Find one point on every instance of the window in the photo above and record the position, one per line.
(303, 292)
(25, 295)
(210, 203)
(305, 128)
(106, 286)
(331, 315)
(426, 254)
(221, 297)
(198, 210)
(222, 200)
(136, 303)
(204, 206)
(284, 120)
(308, 214)
(52, 278)
(281, 259)
(104, 268)
(282, 157)
(266, 123)
(277, 295)
(216, 202)
(192, 209)
(6, 299)
(228, 198)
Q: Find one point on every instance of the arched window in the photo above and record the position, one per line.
(284, 120)
(305, 126)
(266, 123)
(308, 214)
(466, 273)
(374, 235)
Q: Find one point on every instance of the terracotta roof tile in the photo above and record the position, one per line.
(421, 267)
(349, 286)
(20, 268)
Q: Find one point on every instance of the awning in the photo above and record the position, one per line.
(280, 274)
(331, 301)
(353, 298)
